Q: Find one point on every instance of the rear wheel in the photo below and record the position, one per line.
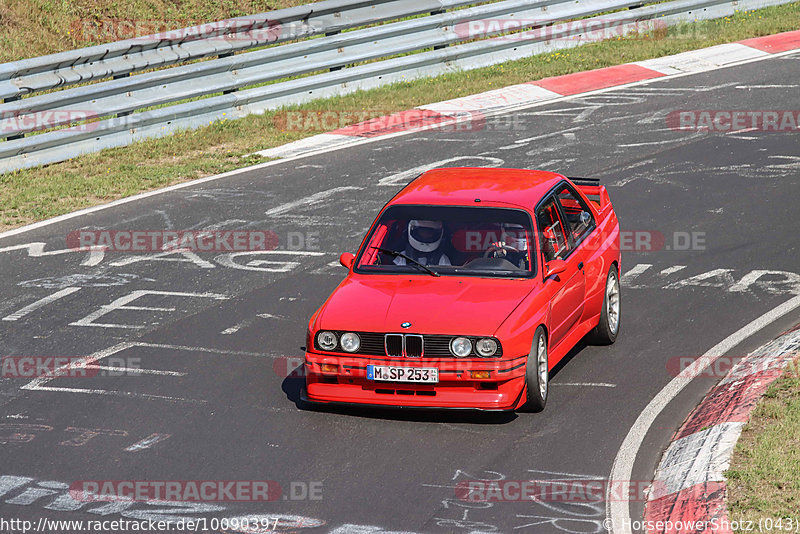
(537, 374)
(605, 333)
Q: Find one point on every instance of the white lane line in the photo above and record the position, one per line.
(38, 383)
(770, 86)
(585, 384)
(307, 201)
(22, 312)
(134, 370)
(618, 508)
(115, 393)
(204, 349)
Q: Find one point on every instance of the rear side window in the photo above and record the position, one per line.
(579, 217)
(551, 231)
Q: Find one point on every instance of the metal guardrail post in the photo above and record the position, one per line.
(3, 101)
(329, 34)
(434, 13)
(229, 91)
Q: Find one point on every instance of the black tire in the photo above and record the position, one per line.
(536, 377)
(605, 333)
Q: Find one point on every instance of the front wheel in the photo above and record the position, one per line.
(537, 374)
(605, 333)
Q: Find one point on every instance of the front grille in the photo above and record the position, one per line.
(414, 346)
(394, 345)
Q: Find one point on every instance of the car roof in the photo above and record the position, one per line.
(462, 185)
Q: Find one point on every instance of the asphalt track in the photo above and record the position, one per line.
(215, 391)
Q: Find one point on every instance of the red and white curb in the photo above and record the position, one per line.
(688, 492)
(466, 108)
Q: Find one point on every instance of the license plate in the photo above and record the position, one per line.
(385, 373)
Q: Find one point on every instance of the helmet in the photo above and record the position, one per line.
(516, 236)
(425, 236)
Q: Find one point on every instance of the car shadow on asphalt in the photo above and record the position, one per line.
(292, 386)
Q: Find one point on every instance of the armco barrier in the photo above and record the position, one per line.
(124, 109)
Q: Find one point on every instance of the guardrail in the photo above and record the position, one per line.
(244, 60)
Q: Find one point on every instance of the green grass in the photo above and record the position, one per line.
(35, 194)
(764, 476)
(31, 28)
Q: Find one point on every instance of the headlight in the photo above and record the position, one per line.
(486, 347)
(350, 342)
(461, 347)
(326, 340)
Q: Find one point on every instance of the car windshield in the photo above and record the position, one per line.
(449, 240)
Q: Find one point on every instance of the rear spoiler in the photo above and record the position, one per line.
(594, 192)
(592, 182)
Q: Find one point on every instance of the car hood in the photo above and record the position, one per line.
(443, 305)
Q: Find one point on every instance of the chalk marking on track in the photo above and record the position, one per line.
(22, 312)
(147, 442)
(309, 200)
(670, 270)
(38, 383)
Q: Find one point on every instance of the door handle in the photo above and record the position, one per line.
(580, 266)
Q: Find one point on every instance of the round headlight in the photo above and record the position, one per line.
(486, 347)
(350, 342)
(326, 340)
(461, 347)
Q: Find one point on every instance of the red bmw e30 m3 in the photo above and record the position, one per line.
(469, 287)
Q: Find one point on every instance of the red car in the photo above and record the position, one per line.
(470, 286)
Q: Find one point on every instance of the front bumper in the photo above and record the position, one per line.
(455, 389)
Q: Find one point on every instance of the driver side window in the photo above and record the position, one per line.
(551, 231)
(579, 218)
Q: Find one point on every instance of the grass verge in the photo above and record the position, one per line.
(31, 28)
(34, 194)
(764, 476)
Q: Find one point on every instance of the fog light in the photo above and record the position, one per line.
(329, 368)
(480, 374)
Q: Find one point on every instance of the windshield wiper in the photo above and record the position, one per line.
(395, 254)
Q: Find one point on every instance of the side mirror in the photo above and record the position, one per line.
(346, 259)
(554, 267)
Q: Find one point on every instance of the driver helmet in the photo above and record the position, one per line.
(516, 236)
(425, 236)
